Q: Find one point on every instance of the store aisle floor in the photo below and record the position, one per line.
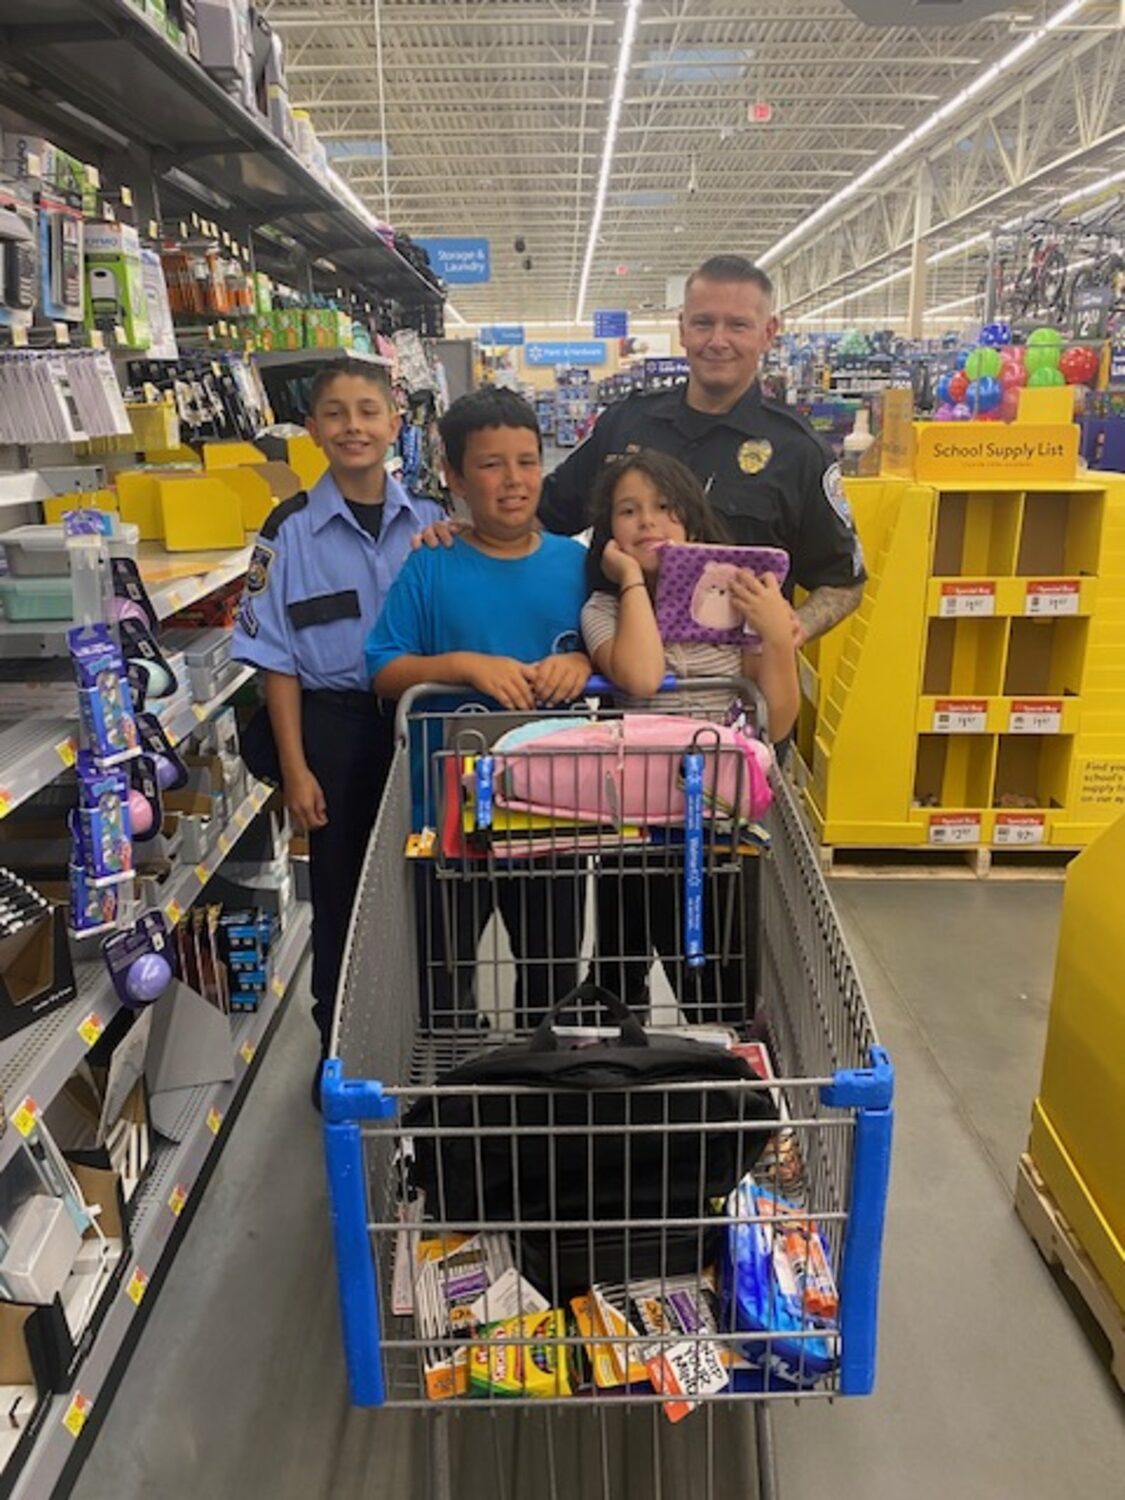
(988, 1388)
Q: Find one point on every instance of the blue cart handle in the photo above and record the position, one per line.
(598, 684)
(693, 860)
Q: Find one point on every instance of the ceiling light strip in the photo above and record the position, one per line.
(617, 98)
(909, 141)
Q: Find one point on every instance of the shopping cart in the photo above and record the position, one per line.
(585, 1254)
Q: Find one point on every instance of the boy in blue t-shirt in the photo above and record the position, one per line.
(498, 611)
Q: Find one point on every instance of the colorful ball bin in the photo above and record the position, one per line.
(982, 362)
(983, 394)
(1079, 366)
(1046, 375)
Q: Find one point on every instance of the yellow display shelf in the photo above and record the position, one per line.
(983, 675)
(1076, 1128)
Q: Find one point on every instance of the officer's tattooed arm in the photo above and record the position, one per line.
(826, 607)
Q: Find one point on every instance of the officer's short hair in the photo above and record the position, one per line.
(730, 268)
(362, 368)
(491, 406)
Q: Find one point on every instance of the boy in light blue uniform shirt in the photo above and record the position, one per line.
(498, 611)
(322, 568)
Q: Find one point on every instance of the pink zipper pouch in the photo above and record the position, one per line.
(693, 600)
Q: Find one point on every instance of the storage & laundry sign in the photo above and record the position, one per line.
(459, 261)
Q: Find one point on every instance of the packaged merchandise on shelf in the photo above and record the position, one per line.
(36, 973)
(18, 261)
(115, 291)
(61, 240)
(104, 706)
(162, 342)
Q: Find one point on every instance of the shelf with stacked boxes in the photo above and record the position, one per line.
(158, 1221)
(983, 673)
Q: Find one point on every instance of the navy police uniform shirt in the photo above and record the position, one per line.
(765, 471)
(317, 581)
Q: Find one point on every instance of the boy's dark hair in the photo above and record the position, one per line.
(674, 481)
(491, 406)
(730, 268)
(363, 368)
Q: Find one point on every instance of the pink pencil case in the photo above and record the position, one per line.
(692, 590)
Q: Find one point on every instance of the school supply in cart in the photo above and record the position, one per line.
(621, 1162)
(693, 601)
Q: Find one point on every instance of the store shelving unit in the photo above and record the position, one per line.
(977, 697)
(136, 92)
(158, 1218)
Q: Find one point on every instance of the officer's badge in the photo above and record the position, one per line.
(754, 455)
(258, 573)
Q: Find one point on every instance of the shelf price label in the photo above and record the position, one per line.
(246, 1052)
(173, 911)
(1035, 716)
(177, 1200)
(974, 600)
(137, 1287)
(960, 715)
(67, 750)
(91, 1028)
(1020, 829)
(74, 1418)
(5, 801)
(202, 874)
(214, 1120)
(954, 828)
(26, 1116)
(1052, 596)
(277, 984)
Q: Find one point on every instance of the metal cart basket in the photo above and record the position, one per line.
(600, 1258)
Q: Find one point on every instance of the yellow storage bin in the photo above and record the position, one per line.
(156, 426)
(259, 488)
(230, 453)
(306, 459)
(56, 507)
(199, 514)
(139, 503)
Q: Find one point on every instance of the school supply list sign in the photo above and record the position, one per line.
(995, 450)
(459, 262)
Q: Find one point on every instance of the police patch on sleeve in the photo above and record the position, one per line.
(258, 573)
(833, 482)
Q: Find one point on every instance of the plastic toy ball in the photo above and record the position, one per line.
(1012, 374)
(1009, 403)
(941, 390)
(961, 358)
(1040, 337)
(982, 362)
(961, 413)
(1042, 357)
(140, 813)
(1046, 375)
(148, 978)
(943, 413)
(958, 385)
(165, 772)
(992, 335)
(127, 609)
(984, 394)
(1079, 366)
(159, 683)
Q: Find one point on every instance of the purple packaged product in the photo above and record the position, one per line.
(91, 906)
(104, 705)
(171, 772)
(145, 802)
(692, 596)
(87, 523)
(125, 954)
(100, 824)
(127, 585)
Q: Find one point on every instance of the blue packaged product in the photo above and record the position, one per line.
(764, 1291)
(105, 707)
(100, 824)
(91, 907)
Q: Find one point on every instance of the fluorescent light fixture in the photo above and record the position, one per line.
(454, 314)
(944, 112)
(952, 251)
(1093, 188)
(944, 307)
(628, 35)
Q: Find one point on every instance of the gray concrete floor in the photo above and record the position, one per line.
(989, 1388)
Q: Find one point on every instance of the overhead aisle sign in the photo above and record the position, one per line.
(463, 262)
(565, 352)
(509, 334)
(611, 324)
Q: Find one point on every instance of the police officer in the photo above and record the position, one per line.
(318, 576)
(764, 469)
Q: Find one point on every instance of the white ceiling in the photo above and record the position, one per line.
(495, 115)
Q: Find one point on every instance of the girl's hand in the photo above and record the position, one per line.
(763, 606)
(619, 567)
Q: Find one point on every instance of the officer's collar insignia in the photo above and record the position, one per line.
(754, 455)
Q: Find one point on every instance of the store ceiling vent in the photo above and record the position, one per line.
(924, 12)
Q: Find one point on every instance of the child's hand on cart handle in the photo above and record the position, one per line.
(501, 677)
(305, 801)
(438, 534)
(560, 678)
(763, 606)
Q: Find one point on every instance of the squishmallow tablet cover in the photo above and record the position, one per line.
(693, 600)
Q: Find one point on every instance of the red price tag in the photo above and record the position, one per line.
(1052, 596)
(1020, 829)
(1035, 716)
(955, 828)
(968, 599)
(960, 715)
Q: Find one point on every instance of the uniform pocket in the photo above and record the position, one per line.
(323, 609)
